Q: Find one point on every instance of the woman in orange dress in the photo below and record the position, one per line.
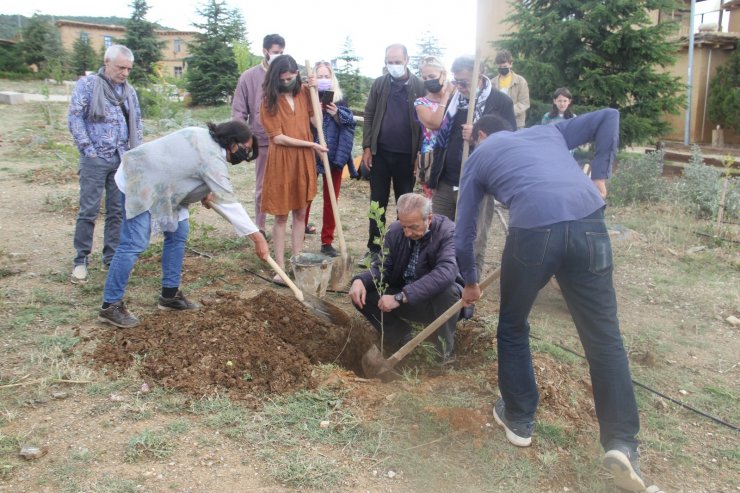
(290, 174)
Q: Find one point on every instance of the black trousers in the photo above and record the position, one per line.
(388, 166)
(396, 329)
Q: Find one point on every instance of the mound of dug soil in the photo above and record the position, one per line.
(244, 346)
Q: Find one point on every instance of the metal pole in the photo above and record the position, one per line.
(687, 124)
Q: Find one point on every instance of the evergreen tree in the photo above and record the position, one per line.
(84, 58)
(38, 34)
(212, 73)
(724, 94)
(354, 86)
(426, 45)
(608, 54)
(11, 59)
(141, 40)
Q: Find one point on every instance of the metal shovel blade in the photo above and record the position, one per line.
(341, 272)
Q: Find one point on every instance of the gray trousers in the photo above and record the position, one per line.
(96, 176)
(445, 203)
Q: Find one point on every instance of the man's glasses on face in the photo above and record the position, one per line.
(462, 84)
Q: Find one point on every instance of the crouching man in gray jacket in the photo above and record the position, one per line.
(421, 273)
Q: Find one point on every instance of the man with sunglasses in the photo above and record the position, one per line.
(445, 175)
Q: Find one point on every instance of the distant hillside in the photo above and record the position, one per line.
(9, 23)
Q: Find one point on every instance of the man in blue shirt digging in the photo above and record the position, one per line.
(556, 227)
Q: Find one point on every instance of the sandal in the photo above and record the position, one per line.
(311, 229)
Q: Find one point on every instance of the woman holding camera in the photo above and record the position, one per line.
(339, 132)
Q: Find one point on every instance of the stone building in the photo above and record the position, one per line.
(717, 32)
(174, 52)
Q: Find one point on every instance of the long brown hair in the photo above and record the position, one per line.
(554, 112)
(271, 85)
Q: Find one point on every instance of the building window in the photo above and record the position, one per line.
(178, 72)
(84, 37)
(177, 45)
(107, 41)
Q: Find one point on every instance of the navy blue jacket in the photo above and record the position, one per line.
(436, 268)
(340, 137)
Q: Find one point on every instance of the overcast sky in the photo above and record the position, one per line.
(313, 30)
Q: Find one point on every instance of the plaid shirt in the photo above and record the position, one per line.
(409, 275)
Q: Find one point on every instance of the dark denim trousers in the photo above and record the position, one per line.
(388, 167)
(96, 177)
(395, 326)
(579, 254)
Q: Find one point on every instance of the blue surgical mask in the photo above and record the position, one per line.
(323, 84)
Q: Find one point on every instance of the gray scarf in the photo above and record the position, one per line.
(103, 90)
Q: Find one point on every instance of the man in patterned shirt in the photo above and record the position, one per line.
(421, 274)
(105, 121)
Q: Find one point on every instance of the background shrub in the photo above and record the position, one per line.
(637, 179)
(701, 186)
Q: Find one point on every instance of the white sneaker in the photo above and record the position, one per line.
(79, 274)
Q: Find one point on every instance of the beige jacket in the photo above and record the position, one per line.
(519, 94)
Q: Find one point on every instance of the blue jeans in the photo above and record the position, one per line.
(579, 254)
(135, 235)
(96, 176)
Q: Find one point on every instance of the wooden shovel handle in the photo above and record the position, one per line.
(318, 115)
(296, 291)
(453, 310)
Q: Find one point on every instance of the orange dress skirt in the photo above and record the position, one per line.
(290, 175)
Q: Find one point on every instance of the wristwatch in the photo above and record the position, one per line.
(400, 297)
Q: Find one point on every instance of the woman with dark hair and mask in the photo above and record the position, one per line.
(290, 176)
(159, 180)
(430, 110)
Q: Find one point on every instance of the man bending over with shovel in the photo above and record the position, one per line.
(421, 273)
(556, 227)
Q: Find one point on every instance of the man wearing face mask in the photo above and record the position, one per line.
(245, 107)
(513, 85)
(391, 135)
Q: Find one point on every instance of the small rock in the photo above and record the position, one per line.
(733, 320)
(391, 474)
(59, 395)
(324, 424)
(29, 452)
(145, 388)
(683, 392)
(116, 398)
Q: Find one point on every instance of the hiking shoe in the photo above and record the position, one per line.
(118, 315)
(519, 434)
(621, 461)
(329, 251)
(177, 302)
(79, 274)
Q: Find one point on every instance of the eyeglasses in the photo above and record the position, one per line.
(462, 84)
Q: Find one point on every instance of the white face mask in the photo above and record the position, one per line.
(396, 71)
(273, 56)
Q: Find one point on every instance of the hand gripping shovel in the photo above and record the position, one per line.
(323, 309)
(373, 363)
(341, 268)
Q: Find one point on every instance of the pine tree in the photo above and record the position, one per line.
(83, 58)
(608, 54)
(142, 41)
(427, 45)
(724, 94)
(40, 43)
(212, 73)
(354, 86)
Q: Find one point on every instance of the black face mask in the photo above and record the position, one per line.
(283, 87)
(243, 154)
(503, 70)
(432, 85)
